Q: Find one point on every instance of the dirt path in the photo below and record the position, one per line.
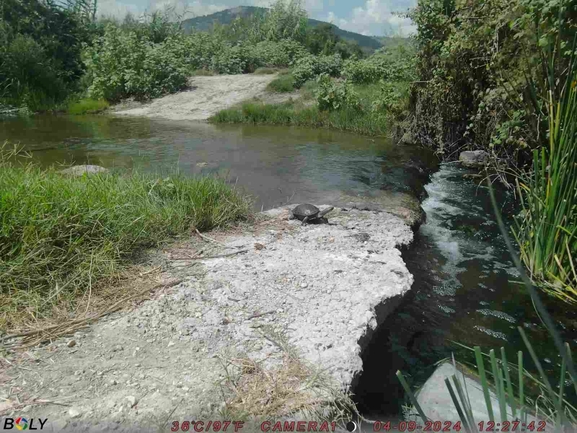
(206, 97)
(291, 299)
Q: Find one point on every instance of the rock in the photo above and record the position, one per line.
(74, 413)
(437, 404)
(362, 237)
(405, 206)
(71, 343)
(474, 158)
(131, 400)
(79, 170)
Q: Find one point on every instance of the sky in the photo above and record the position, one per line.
(367, 17)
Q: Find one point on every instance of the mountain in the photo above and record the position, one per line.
(206, 22)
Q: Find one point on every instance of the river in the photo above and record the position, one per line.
(465, 286)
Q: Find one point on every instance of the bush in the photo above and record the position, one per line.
(234, 60)
(285, 83)
(278, 54)
(310, 67)
(29, 77)
(472, 93)
(67, 233)
(332, 95)
(380, 66)
(40, 57)
(121, 65)
(392, 98)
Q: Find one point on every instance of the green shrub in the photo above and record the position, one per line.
(284, 83)
(310, 67)
(234, 60)
(29, 77)
(332, 95)
(392, 98)
(87, 106)
(278, 54)
(472, 86)
(121, 65)
(40, 53)
(62, 234)
(388, 65)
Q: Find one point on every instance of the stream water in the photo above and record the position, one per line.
(464, 288)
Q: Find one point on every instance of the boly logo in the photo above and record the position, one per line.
(22, 423)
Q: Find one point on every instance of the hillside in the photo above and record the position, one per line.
(206, 22)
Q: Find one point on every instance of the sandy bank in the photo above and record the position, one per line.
(205, 97)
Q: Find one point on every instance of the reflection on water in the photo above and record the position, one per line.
(274, 164)
(465, 291)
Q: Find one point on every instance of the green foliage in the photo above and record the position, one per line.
(121, 65)
(332, 95)
(546, 230)
(310, 67)
(233, 60)
(62, 234)
(392, 98)
(394, 65)
(284, 83)
(283, 53)
(87, 106)
(287, 19)
(472, 61)
(40, 60)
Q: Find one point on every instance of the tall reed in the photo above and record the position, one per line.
(547, 228)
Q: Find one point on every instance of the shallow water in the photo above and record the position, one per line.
(276, 165)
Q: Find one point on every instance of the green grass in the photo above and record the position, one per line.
(266, 71)
(202, 73)
(87, 106)
(284, 83)
(547, 231)
(289, 114)
(59, 235)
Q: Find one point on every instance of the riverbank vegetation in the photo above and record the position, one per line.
(500, 77)
(61, 235)
(365, 96)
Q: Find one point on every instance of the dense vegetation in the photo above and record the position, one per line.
(61, 235)
(500, 76)
(484, 71)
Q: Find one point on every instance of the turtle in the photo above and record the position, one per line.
(309, 213)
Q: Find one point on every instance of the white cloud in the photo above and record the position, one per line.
(339, 22)
(379, 17)
(184, 8)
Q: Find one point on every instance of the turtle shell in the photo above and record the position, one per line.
(305, 210)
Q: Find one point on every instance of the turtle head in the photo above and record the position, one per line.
(326, 211)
